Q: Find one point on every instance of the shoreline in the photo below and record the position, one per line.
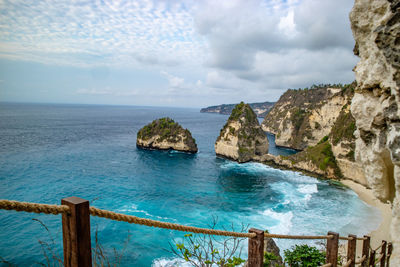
(366, 195)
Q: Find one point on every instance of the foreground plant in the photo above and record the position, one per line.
(203, 250)
(304, 256)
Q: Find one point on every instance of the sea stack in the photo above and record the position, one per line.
(166, 134)
(241, 139)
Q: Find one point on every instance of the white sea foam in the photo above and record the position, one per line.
(165, 262)
(133, 208)
(257, 168)
(284, 219)
(307, 188)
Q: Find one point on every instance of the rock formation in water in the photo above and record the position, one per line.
(376, 104)
(241, 139)
(165, 134)
(261, 109)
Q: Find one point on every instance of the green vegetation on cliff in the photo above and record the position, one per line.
(320, 155)
(166, 129)
(243, 125)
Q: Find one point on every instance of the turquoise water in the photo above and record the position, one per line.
(48, 152)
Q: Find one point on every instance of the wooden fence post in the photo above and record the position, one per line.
(256, 249)
(383, 253)
(372, 258)
(351, 250)
(76, 233)
(332, 249)
(389, 253)
(365, 250)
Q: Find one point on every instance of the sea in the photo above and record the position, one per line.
(53, 151)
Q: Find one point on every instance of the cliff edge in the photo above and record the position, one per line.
(302, 117)
(376, 103)
(166, 134)
(241, 139)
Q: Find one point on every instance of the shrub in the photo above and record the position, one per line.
(304, 255)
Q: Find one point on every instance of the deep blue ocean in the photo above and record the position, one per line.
(52, 151)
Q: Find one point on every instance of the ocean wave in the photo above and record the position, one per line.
(165, 262)
(284, 221)
(307, 188)
(259, 168)
(133, 208)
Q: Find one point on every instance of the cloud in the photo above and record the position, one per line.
(277, 44)
(91, 33)
(223, 51)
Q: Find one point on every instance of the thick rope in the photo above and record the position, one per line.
(379, 247)
(347, 264)
(361, 260)
(172, 226)
(33, 207)
(60, 209)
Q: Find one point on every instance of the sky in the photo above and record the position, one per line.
(171, 53)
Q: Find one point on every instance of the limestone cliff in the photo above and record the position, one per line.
(241, 139)
(165, 134)
(315, 160)
(301, 118)
(375, 106)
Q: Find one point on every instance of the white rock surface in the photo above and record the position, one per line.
(375, 106)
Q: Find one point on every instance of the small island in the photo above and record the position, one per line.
(166, 134)
(241, 139)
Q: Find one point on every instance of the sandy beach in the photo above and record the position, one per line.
(382, 233)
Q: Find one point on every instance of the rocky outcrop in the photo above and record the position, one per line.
(331, 156)
(272, 252)
(165, 134)
(316, 160)
(272, 256)
(241, 139)
(301, 118)
(261, 109)
(376, 104)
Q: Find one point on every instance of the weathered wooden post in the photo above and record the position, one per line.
(372, 258)
(365, 250)
(351, 250)
(332, 247)
(256, 249)
(389, 253)
(76, 233)
(383, 253)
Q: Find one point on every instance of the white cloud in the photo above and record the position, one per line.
(225, 51)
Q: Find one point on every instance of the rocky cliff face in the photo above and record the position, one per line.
(241, 139)
(318, 121)
(165, 134)
(301, 118)
(375, 106)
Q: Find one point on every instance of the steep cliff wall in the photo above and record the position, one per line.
(241, 139)
(301, 118)
(375, 106)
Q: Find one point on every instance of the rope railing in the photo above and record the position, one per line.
(378, 247)
(33, 207)
(361, 260)
(76, 226)
(172, 226)
(60, 209)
